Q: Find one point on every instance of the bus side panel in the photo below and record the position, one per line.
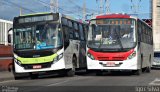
(68, 54)
(145, 56)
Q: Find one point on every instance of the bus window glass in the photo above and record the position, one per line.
(81, 32)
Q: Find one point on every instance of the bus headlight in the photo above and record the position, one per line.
(90, 56)
(58, 58)
(17, 61)
(132, 55)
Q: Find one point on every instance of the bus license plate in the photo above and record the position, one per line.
(37, 66)
(110, 63)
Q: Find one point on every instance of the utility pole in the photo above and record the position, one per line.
(20, 12)
(107, 6)
(100, 5)
(135, 6)
(84, 9)
(57, 6)
(54, 6)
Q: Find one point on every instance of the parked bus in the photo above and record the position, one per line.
(48, 42)
(156, 62)
(119, 42)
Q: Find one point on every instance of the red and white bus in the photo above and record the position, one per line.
(119, 42)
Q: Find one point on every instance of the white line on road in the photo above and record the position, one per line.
(69, 80)
(156, 81)
(58, 83)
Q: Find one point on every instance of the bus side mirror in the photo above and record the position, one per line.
(10, 33)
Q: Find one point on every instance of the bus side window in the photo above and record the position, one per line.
(139, 31)
(70, 30)
(66, 35)
(81, 32)
(76, 31)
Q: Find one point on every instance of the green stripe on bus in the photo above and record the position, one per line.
(36, 14)
(37, 60)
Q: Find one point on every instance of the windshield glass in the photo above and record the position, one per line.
(38, 37)
(111, 35)
(157, 55)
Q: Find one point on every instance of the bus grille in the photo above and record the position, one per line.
(103, 58)
(118, 58)
(111, 58)
(30, 66)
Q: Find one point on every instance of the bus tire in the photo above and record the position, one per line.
(137, 72)
(71, 72)
(148, 69)
(16, 75)
(33, 76)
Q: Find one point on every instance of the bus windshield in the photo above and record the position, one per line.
(111, 36)
(157, 54)
(43, 36)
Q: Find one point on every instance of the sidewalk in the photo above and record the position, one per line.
(6, 75)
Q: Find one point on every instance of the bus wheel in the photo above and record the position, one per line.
(148, 69)
(16, 76)
(71, 72)
(137, 72)
(33, 75)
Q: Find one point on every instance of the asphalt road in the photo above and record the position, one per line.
(89, 82)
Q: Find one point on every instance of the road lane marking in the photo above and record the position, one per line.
(69, 80)
(156, 81)
(58, 83)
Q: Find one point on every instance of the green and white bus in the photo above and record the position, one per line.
(48, 42)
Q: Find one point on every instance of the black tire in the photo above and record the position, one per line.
(148, 69)
(16, 76)
(71, 72)
(33, 76)
(137, 72)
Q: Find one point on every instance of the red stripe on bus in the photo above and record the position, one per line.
(113, 16)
